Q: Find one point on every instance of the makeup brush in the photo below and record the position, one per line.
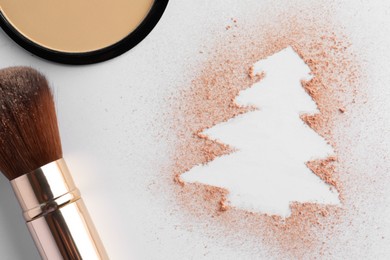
(31, 158)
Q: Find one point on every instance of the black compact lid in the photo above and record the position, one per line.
(95, 56)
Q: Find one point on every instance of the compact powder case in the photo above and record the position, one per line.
(79, 31)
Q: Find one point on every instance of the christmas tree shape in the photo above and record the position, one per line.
(267, 170)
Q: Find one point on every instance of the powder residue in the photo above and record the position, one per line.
(210, 100)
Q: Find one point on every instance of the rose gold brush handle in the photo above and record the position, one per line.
(56, 215)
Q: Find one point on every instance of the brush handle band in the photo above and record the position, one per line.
(56, 215)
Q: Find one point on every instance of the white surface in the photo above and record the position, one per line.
(268, 171)
(110, 117)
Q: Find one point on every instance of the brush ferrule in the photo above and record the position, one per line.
(56, 215)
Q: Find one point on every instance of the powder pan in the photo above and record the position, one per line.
(127, 35)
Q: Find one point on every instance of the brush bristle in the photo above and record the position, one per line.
(29, 136)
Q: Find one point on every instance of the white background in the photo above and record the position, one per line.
(110, 116)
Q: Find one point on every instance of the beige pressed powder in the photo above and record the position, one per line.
(74, 25)
(79, 26)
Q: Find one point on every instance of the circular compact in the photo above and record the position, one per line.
(79, 31)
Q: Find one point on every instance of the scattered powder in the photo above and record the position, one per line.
(325, 169)
(210, 100)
